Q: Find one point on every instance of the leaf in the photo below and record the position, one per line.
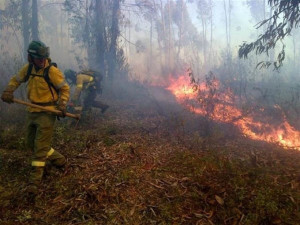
(199, 215)
(219, 200)
(132, 211)
(211, 201)
(276, 221)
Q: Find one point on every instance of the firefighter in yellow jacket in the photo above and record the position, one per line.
(88, 83)
(47, 87)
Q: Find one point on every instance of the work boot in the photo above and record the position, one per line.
(59, 161)
(100, 105)
(36, 175)
(31, 192)
(62, 166)
(32, 189)
(47, 170)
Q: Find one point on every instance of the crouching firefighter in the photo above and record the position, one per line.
(47, 87)
(88, 82)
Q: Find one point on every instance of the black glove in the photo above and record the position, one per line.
(62, 106)
(8, 94)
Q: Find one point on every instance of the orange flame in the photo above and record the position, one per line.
(224, 110)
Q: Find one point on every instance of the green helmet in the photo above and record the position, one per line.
(70, 75)
(38, 49)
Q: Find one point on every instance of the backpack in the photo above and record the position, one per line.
(97, 79)
(92, 73)
(45, 76)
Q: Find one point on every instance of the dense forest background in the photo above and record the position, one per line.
(149, 41)
(203, 125)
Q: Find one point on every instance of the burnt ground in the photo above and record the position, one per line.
(151, 162)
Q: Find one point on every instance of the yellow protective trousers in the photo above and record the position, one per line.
(40, 127)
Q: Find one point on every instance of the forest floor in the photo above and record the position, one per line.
(140, 164)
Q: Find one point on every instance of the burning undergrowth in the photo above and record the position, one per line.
(218, 103)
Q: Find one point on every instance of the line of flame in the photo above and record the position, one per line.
(225, 111)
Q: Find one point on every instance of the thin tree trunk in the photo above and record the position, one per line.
(87, 39)
(169, 40)
(151, 34)
(35, 22)
(226, 23)
(229, 25)
(61, 27)
(272, 51)
(294, 51)
(25, 27)
(129, 38)
(203, 39)
(180, 32)
(211, 33)
(163, 32)
(114, 36)
(100, 36)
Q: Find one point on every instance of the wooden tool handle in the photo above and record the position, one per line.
(59, 113)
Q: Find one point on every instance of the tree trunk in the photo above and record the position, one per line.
(114, 36)
(100, 36)
(169, 40)
(226, 25)
(229, 25)
(203, 21)
(87, 39)
(211, 33)
(180, 32)
(163, 47)
(151, 34)
(25, 27)
(61, 39)
(294, 51)
(35, 22)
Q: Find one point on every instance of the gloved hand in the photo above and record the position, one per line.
(62, 106)
(71, 104)
(8, 94)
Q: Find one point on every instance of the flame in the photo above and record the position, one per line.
(225, 110)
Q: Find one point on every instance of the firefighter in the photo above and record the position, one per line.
(87, 82)
(53, 93)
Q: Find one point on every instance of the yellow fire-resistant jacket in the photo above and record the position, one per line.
(83, 81)
(38, 90)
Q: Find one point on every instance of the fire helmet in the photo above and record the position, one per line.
(70, 75)
(38, 49)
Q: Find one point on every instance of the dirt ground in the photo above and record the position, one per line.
(151, 163)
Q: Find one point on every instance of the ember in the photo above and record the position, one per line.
(224, 110)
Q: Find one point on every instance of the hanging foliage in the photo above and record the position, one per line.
(285, 18)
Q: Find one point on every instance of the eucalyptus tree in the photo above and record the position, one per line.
(95, 26)
(184, 45)
(149, 10)
(21, 17)
(189, 41)
(285, 18)
(160, 14)
(227, 13)
(204, 8)
(11, 25)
